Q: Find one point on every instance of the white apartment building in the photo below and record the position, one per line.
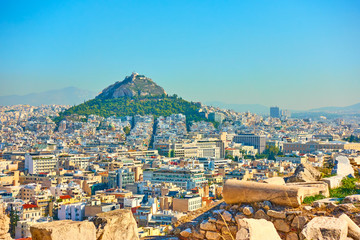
(74, 212)
(40, 163)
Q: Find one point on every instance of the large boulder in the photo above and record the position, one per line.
(342, 167)
(304, 173)
(116, 225)
(334, 181)
(352, 199)
(4, 226)
(354, 230)
(256, 229)
(236, 192)
(63, 230)
(321, 228)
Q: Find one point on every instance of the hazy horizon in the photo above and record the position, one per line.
(296, 55)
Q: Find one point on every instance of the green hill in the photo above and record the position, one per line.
(125, 106)
(136, 94)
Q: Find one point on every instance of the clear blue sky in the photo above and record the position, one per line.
(294, 54)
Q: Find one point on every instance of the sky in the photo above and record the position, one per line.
(293, 54)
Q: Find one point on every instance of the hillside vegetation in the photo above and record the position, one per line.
(125, 106)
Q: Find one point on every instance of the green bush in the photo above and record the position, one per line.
(311, 199)
(347, 188)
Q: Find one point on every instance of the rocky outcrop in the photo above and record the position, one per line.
(4, 226)
(320, 228)
(304, 173)
(256, 229)
(134, 85)
(63, 230)
(116, 225)
(113, 225)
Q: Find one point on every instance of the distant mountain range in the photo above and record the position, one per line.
(65, 96)
(348, 109)
(264, 110)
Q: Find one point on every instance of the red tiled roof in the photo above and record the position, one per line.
(65, 197)
(26, 206)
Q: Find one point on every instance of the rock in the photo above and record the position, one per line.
(248, 210)
(212, 235)
(304, 173)
(220, 222)
(276, 214)
(198, 235)
(265, 205)
(260, 214)
(290, 217)
(308, 208)
(352, 199)
(346, 207)
(116, 225)
(281, 225)
(343, 167)
(331, 206)
(186, 233)
(4, 226)
(207, 226)
(230, 230)
(63, 230)
(236, 192)
(243, 234)
(212, 220)
(318, 204)
(292, 236)
(327, 201)
(256, 229)
(293, 212)
(353, 229)
(299, 222)
(234, 208)
(239, 216)
(227, 216)
(275, 180)
(325, 228)
(333, 182)
(321, 213)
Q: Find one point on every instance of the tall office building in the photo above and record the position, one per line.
(274, 112)
(257, 141)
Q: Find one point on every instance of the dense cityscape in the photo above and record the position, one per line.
(162, 169)
(179, 120)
